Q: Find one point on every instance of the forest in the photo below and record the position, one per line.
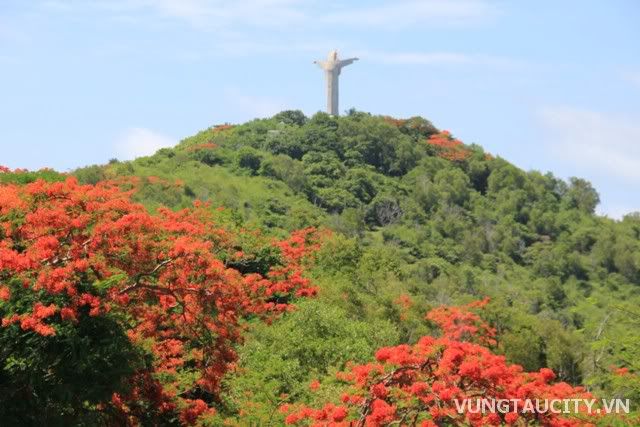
(328, 271)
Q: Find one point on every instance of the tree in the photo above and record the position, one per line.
(291, 117)
(424, 384)
(322, 169)
(250, 159)
(283, 358)
(581, 195)
(287, 170)
(383, 210)
(143, 306)
(452, 186)
(372, 142)
(360, 183)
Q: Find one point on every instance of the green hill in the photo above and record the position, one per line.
(419, 219)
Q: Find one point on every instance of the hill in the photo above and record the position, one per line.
(418, 219)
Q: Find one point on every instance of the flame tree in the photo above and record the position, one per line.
(419, 385)
(113, 315)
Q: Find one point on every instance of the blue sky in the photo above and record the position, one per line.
(548, 85)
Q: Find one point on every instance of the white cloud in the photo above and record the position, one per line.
(137, 142)
(404, 13)
(216, 14)
(604, 143)
(386, 14)
(240, 28)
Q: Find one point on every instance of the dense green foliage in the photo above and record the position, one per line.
(412, 230)
(25, 177)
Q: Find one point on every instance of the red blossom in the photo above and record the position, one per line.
(419, 384)
(223, 127)
(68, 314)
(165, 273)
(195, 408)
(448, 147)
(5, 293)
(621, 371)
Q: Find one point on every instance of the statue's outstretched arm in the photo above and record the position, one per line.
(345, 62)
(321, 64)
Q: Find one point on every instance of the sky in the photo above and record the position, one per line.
(548, 85)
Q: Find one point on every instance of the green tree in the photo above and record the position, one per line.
(581, 195)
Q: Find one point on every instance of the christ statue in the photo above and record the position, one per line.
(332, 67)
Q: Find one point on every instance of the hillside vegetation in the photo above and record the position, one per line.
(417, 220)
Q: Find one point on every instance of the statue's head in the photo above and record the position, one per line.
(333, 55)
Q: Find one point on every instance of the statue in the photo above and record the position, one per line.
(332, 67)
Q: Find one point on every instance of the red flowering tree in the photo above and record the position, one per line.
(107, 309)
(204, 146)
(448, 147)
(426, 384)
(222, 127)
(417, 127)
